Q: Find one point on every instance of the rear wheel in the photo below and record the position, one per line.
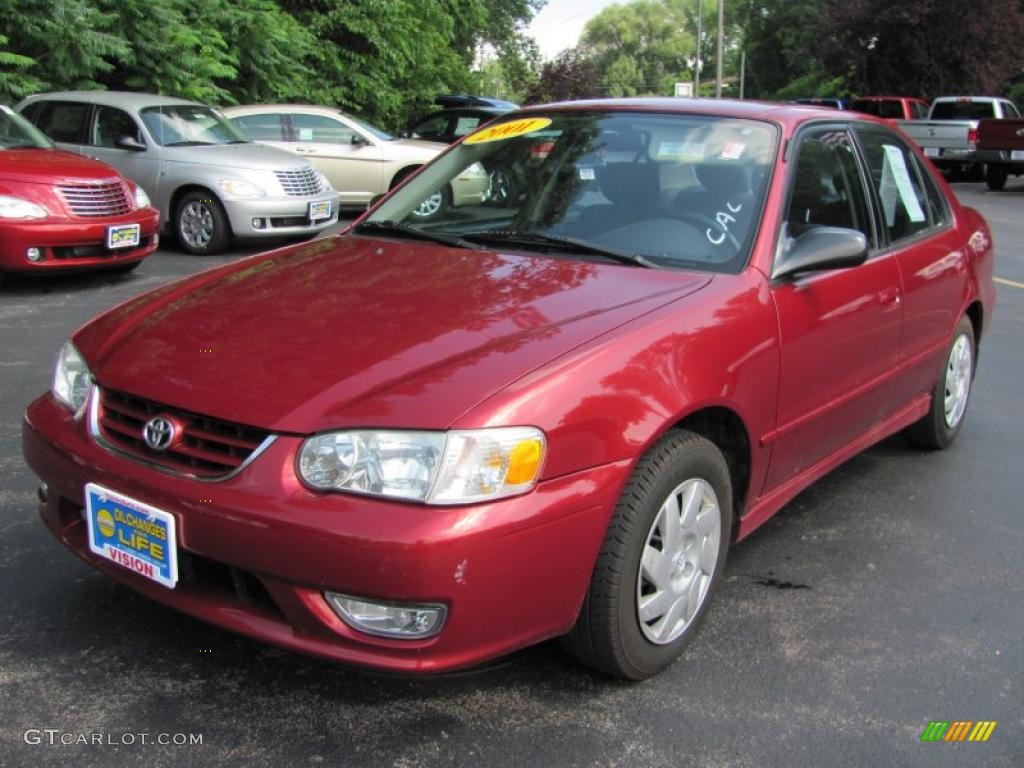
(995, 176)
(940, 426)
(201, 224)
(661, 559)
(434, 206)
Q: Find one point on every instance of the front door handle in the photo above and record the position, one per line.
(890, 297)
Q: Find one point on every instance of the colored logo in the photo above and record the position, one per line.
(508, 130)
(958, 730)
(105, 521)
(159, 433)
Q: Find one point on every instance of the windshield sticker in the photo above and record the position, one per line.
(733, 150)
(896, 186)
(508, 130)
(683, 151)
(586, 174)
(305, 134)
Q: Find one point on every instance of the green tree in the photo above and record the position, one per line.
(15, 78)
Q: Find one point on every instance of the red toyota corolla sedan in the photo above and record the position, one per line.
(419, 446)
(61, 212)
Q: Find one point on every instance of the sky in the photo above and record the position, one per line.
(559, 24)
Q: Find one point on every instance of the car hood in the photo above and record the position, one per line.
(52, 166)
(359, 331)
(250, 156)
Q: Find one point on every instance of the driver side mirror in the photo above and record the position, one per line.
(358, 140)
(130, 143)
(822, 248)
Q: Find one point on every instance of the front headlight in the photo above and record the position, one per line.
(457, 467)
(16, 208)
(240, 188)
(71, 379)
(141, 198)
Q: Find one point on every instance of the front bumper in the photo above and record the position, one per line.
(73, 244)
(259, 549)
(279, 217)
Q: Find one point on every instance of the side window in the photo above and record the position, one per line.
(938, 208)
(893, 170)
(919, 110)
(466, 124)
(321, 130)
(433, 127)
(261, 127)
(827, 189)
(1010, 110)
(63, 121)
(109, 125)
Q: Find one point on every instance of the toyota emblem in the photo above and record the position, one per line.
(159, 433)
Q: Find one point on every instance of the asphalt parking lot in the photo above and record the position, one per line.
(888, 595)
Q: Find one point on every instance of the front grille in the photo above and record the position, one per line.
(207, 447)
(301, 183)
(92, 200)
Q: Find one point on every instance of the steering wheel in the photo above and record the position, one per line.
(705, 223)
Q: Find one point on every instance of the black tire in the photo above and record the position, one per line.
(427, 210)
(933, 431)
(502, 188)
(220, 228)
(995, 176)
(608, 636)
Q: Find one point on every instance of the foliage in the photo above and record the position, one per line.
(574, 74)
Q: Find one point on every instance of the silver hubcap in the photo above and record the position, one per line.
(430, 206)
(678, 561)
(958, 380)
(197, 224)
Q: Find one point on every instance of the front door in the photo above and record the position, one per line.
(349, 159)
(839, 329)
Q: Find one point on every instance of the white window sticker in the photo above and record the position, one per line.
(896, 186)
(305, 134)
(681, 151)
(733, 150)
(586, 173)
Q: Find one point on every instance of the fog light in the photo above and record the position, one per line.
(411, 621)
(34, 254)
(257, 223)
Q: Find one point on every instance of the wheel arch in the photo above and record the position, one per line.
(402, 173)
(185, 189)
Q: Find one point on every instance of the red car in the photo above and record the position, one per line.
(892, 107)
(419, 446)
(61, 212)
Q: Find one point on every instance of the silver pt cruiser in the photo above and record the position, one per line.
(208, 180)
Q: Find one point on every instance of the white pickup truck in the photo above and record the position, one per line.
(949, 136)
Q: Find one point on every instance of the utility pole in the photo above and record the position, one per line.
(718, 56)
(743, 70)
(696, 64)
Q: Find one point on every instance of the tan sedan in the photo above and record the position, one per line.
(360, 160)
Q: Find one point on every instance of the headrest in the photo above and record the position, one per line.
(632, 185)
(724, 178)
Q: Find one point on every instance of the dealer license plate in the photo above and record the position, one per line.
(132, 534)
(123, 236)
(1017, 154)
(321, 210)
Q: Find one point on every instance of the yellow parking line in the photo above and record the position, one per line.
(1012, 283)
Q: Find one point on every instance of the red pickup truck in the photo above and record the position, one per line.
(1001, 148)
(891, 107)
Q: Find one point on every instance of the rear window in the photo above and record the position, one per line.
(889, 109)
(965, 109)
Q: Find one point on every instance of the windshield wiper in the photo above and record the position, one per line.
(515, 237)
(190, 144)
(407, 230)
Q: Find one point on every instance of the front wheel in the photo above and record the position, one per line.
(661, 559)
(434, 206)
(201, 224)
(940, 426)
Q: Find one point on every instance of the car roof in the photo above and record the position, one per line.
(778, 112)
(261, 109)
(122, 99)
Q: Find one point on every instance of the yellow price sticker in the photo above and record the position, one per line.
(508, 130)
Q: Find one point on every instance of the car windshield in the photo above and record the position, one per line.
(371, 129)
(179, 125)
(18, 133)
(664, 190)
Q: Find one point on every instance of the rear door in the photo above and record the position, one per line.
(839, 329)
(265, 128)
(63, 121)
(918, 232)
